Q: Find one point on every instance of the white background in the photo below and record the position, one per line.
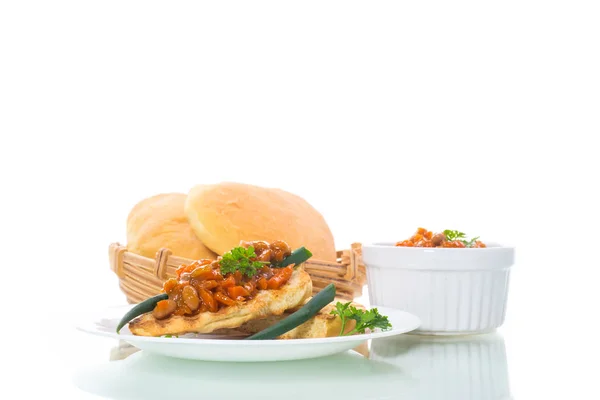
(470, 115)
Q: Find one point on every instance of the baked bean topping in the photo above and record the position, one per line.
(202, 287)
(448, 238)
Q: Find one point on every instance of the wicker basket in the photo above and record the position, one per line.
(141, 277)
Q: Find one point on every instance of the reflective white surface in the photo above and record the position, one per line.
(407, 366)
(466, 368)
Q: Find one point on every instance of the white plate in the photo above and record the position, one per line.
(207, 348)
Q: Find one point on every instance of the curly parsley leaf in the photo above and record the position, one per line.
(460, 236)
(454, 235)
(343, 310)
(369, 319)
(241, 259)
(470, 243)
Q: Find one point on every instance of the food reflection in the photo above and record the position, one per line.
(465, 367)
(147, 376)
(403, 367)
(122, 351)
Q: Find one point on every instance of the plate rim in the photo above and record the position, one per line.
(413, 325)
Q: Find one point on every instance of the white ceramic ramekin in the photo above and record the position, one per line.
(452, 291)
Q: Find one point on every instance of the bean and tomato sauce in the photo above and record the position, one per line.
(201, 287)
(425, 238)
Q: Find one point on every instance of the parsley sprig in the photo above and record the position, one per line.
(471, 242)
(456, 235)
(369, 319)
(241, 259)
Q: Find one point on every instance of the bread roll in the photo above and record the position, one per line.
(224, 214)
(160, 222)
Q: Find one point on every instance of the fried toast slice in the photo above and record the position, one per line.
(267, 303)
(322, 325)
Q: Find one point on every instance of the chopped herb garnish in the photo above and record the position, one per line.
(241, 259)
(454, 235)
(460, 236)
(471, 242)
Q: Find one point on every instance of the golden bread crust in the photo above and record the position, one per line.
(224, 214)
(160, 222)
